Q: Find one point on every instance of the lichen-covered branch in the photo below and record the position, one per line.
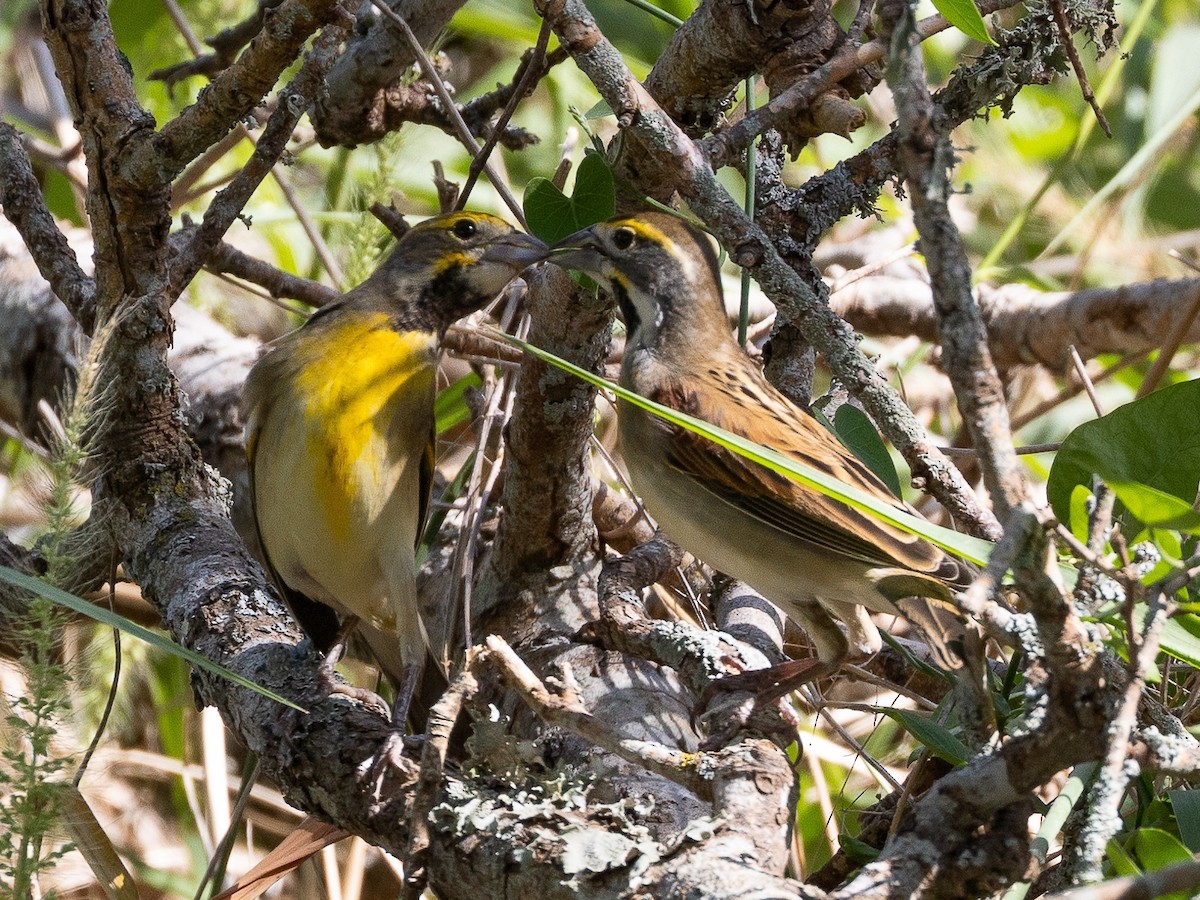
(22, 204)
(723, 149)
(926, 159)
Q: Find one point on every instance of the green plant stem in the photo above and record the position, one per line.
(660, 14)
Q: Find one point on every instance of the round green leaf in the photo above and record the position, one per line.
(552, 215)
(1152, 442)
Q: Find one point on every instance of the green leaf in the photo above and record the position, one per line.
(1180, 636)
(552, 215)
(858, 433)
(599, 110)
(961, 545)
(1080, 495)
(964, 15)
(858, 851)
(1157, 848)
(112, 620)
(1123, 864)
(450, 408)
(938, 738)
(60, 197)
(1152, 441)
(595, 195)
(1155, 508)
(1186, 804)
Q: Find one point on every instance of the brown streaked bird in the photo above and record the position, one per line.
(819, 559)
(340, 435)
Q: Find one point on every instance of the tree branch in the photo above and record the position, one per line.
(294, 100)
(236, 91)
(349, 112)
(22, 203)
(926, 159)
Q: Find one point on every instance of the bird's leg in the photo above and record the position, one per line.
(333, 656)
(768, 685)
(392, 751)
(404, 696)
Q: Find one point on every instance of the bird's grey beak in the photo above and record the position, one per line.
(580, 250)
(516, 250)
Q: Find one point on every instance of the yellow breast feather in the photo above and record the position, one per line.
(361, 377)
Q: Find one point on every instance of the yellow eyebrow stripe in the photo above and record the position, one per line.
(647, 231)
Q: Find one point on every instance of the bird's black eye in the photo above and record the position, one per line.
(623, 238)
(464, 228)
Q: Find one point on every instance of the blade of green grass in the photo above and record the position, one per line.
(961, 545)
(112, 620)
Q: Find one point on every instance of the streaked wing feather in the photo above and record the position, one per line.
(774, 498)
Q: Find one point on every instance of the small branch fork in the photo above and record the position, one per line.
(461, 131)
(726, 148)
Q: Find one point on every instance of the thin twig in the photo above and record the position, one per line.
(111, 700)
(499, 405)
(460, 127)
(1084, 552)
(823, 707)
(528, 77)
(1026, 450)
(1073, 390)
(1086, 380)
(311, 231)
(1064, 32)
(181, 23)
(686, 769)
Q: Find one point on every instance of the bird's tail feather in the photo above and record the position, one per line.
(928, 603)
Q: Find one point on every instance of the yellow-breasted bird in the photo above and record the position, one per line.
(340, 434)
(818, 558)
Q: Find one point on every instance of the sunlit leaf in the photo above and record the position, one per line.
(1152, 442)
(552, 215)
(964, 15)
(450, 408)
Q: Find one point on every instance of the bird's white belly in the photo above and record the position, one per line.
(776, 564)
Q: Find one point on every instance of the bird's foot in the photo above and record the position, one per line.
(328, 677)
(391, 754)
(754, 702)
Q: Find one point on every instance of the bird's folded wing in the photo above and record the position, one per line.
(782, 502)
